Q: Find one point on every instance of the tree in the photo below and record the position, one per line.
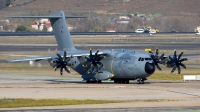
(8, 2)
(44, 29)
(21, 28)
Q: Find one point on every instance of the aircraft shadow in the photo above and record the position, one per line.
(56, 81)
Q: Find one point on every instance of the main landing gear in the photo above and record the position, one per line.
(141, 80)
(121, 81)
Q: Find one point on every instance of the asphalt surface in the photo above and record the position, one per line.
(135, 109)
(71, 87)
(134, 46)
(46, 85)
(90, 33)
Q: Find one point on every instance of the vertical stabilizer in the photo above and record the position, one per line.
(61, 32)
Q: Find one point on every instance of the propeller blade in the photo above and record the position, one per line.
(61, 71)
(65, 54)
(179, 70)
(101, 65)
(55, 68)
(170, 58)
(59, 56)
(150, 52)
(181, 64)
(175, 57)
(66, 69)
(96, 52)
(158, 67)
(161, 56)
(100, 57)
(91, 69)
(184, 59)
(157, 52)
(68, 59)
(180, 55)
(84, 64)
(90, 51)
(174, 68)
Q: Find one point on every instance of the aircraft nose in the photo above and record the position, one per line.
(149, 68)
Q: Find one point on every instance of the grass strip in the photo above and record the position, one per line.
(10, 103)
(165, 77)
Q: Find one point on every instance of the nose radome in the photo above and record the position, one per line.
(149, 68)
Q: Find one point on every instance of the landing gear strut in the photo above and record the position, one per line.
(141, 80)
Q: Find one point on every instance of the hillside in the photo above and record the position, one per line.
(164, 7)
(167, 15)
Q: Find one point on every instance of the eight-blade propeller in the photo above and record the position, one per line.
(92, 61)
(156, 58)
(176, 62)
(62, 62)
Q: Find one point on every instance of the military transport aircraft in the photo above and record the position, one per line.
(118, 65)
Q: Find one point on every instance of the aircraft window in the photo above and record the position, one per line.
(142, 59)
(150, 59)
(139, 59)
(146, 59)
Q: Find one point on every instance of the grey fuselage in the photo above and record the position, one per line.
(123, 64)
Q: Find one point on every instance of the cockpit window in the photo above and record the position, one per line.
(142, 59)
(139, 59)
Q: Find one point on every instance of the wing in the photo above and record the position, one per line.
(39, 58)
(33, 58)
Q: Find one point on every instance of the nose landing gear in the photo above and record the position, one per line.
(141, 80)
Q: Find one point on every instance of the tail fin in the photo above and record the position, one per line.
(60, 29)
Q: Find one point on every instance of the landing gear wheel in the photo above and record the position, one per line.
(140, 81)
(115, 81)
(99, 81)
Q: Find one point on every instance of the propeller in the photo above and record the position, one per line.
(92, 61)
(177, 62)
(156, 58)
(62, 62)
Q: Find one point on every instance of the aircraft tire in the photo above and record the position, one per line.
(99, 81)
(139, 81)
(127, 81)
